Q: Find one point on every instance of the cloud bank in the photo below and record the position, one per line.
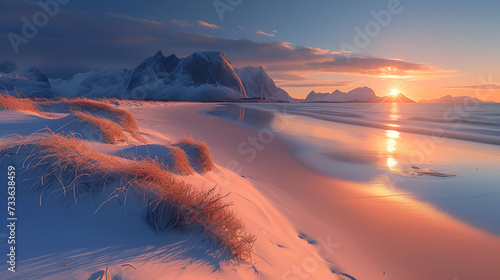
(77, 41)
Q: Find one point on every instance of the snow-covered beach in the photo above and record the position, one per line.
(330, 218)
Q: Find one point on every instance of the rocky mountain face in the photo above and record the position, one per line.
(258, 84)
(24, 80)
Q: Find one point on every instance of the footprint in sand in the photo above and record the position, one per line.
(341, 275)
(279, 245)
(307, 238)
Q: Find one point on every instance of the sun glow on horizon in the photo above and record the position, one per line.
(394, 92)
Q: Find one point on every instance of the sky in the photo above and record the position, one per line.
(425, 49)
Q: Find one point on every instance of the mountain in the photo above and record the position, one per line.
(357, 94)
(398, 98)
(258, 84)
(452, 99)
(202, 76)
(26, 80)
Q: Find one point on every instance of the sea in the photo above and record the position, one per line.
(446, 155)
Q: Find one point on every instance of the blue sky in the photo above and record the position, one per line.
(428, 48)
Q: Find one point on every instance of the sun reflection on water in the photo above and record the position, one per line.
(391, 145)
(394, 112)
(392, 136)
(392, 163)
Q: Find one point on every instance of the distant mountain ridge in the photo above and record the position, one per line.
(364, 94)
(453, 99)
(360, 94)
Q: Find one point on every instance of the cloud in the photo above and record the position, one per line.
(319, 51)
(133, 18)
(77, 41)
(482, 86)
(181, 23)
(264, 33)
(287, 77)
(209, 25)
(361, 65)
(298, 81)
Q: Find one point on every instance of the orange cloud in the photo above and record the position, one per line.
(318, 51)
(485, 86)
(287, 77)
(209, 25)
(264, 33)
(368, 66)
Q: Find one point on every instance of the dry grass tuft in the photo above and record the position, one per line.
(111, 131)
(108, 119)
(179, 162)
(101, 109)
(198, 154)
(18, 103)
(72, 163)
(186, 141)
(203, 157)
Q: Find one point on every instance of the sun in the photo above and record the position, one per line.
(394, 92)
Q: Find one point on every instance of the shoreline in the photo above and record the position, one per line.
(402, 237)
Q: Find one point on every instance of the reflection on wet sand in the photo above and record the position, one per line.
(249, 116)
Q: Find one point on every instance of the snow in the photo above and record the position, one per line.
(60, 238)
(91, 84)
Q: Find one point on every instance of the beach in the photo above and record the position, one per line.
(322, 203)
(379, 229)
